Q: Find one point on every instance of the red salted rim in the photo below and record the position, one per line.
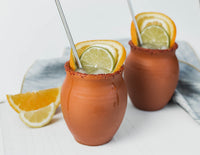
(92, 76)
(153, 51)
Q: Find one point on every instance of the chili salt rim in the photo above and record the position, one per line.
(92, 76)
(153, 51)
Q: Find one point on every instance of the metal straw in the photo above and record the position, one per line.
(62, 16)
(135, 23)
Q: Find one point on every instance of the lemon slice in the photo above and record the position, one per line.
(155, 37)
(38, 118)
(97, 58)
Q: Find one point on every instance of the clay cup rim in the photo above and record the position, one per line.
(79, 75)
(153, 51)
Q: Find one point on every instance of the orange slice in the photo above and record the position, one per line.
(146, 19)
(34, 100)
(119, 56)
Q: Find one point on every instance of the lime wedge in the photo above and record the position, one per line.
(97, 58)
(155, 37)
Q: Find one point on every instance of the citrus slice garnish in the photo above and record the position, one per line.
(38, 118)
(96, 57)
(115, 48)
(111, 49)
(34, 100)
(146, 19)
(155, 37)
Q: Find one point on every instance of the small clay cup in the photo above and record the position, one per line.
(93, 106)
(151, 76)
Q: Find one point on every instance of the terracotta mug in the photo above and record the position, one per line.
(93, 106)
(151, 76)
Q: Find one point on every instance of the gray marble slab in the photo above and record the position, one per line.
(44, 74)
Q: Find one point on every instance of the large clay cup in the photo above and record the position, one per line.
(93, 106)
(151, 76)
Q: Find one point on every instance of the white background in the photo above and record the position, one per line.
(32, 29)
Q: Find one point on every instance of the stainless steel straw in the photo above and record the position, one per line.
(135, 23)
(62, 16)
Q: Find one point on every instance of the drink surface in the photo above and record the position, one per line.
(94, 71)
(152, 46)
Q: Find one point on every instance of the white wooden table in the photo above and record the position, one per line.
(30, 30)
